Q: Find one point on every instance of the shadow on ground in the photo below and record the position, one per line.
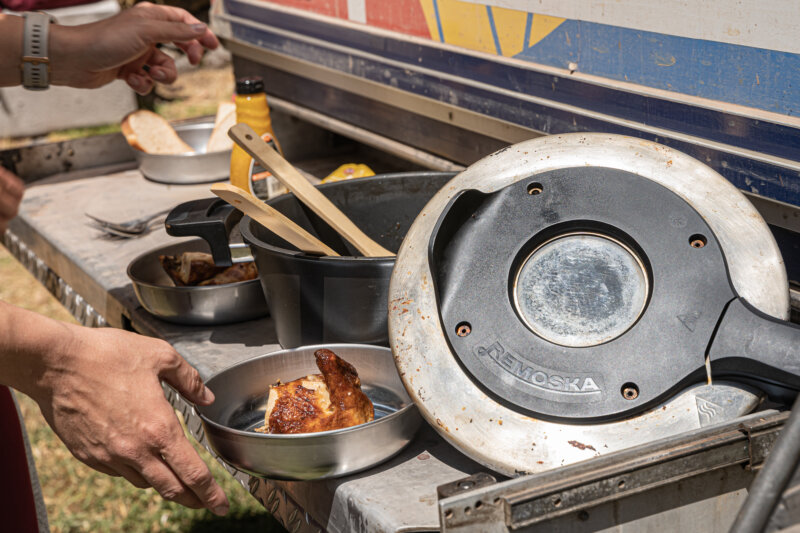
(243, 523)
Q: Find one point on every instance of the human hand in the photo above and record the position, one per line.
(11, 191)
(102, 397)
(124, 47)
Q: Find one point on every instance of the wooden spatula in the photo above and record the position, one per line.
(271, 218)
(271, 160)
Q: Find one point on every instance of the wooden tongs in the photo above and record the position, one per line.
(271, 160)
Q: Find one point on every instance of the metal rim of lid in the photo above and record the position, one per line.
(506, 440)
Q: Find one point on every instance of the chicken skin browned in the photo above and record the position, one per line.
(232, 274)
(333, 400)
(189, 268)
(198, 269)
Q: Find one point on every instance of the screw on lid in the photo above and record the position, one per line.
(250, 85)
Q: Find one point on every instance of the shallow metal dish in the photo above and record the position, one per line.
(184, 169)
(193, 306)
(241, 397)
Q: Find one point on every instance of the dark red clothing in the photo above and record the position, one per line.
(17, 504)
(39, 5)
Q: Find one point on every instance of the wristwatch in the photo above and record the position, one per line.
(35, 61)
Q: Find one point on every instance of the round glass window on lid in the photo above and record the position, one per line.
(581, 289)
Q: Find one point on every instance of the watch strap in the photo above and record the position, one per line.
(35, 60)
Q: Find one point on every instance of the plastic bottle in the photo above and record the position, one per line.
(252, 109)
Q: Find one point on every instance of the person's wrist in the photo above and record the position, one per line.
(65, 54)
(54, 355)
(32, 349)
(13, 25)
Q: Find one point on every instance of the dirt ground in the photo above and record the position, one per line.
(196, 93)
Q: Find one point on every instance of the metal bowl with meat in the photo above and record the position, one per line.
(177, 283)
(243, 398)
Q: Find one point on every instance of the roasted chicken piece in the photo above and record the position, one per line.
(232, 274)
(190, 268)
(332, 400)
(198, 268)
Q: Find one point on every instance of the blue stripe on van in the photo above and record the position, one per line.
(753, 134)
(753, 77)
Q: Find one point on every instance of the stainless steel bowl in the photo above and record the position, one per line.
(241, 396)
(193, 306)
(200, 167)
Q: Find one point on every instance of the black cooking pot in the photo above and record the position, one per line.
(314, 299)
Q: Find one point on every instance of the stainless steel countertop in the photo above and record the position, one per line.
(399, 495)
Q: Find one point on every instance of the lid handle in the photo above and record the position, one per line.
(752, 344)
(211, 219)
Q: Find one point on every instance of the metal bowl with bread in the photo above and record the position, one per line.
(178, 153)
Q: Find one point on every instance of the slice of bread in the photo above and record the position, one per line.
(225, 119)
(151, 133)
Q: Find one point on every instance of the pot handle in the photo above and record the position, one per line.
(753, 345)
(211, 219)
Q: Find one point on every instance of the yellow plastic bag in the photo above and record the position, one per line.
(349, 171)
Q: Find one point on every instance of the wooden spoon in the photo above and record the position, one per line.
(307, 193)
(271, 218)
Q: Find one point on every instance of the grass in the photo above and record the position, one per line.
(76, 133)
(79, 499)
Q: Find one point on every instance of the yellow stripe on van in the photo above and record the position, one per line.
(468, 25)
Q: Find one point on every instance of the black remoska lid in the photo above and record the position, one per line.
(250, 85)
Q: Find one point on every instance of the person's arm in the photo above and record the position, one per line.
(99, 390)
(10, 50)
(11, 191)
(119, 47)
